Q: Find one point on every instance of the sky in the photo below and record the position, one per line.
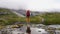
(34, 5)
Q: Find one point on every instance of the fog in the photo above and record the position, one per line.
(34, 5)
(13, 4)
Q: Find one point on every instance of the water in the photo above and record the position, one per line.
(33, 30)
(38, 31)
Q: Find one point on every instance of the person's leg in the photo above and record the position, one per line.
(28, 25)
(28, 20)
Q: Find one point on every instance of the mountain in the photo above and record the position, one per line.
(22, 13)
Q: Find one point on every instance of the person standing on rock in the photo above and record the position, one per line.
(28, 31)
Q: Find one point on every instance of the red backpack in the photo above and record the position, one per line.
(27, 13)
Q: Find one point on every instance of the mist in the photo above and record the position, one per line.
(33, 5)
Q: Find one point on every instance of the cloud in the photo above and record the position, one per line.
(36, 5)
(13, 4)
(43, 5)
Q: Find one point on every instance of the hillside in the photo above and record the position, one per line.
(51, 18)
(7, 17)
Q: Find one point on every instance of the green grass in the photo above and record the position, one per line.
(52, 18)
(8, 18)
(11, 18)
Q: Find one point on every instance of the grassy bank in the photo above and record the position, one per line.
(52, 18)
(7, 17)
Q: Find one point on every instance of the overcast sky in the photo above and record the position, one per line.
(36, 5)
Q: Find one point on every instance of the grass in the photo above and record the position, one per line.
(11, 18)
(51, 18)
(8, 18)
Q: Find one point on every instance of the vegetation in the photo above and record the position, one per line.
(36, 19)
(52, 18)
(7, 17)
